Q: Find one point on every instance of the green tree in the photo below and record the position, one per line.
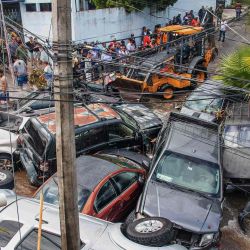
(131, 5)
(236, 65)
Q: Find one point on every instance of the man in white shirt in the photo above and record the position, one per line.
(223, 29)
(20, 71)
(130, 46)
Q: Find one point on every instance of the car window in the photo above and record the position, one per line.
(119, 131)
(237, 136)
(48, 241)
(90, 138)
(51, 194)
(106, 195)
(8, 229)
(125, 180)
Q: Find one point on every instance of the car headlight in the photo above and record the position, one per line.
(206, 239)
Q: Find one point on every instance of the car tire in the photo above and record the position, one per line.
(5, 162)
(6, 180)
(130, 218)
(152, 231)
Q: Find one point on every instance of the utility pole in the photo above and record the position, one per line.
(65, 134)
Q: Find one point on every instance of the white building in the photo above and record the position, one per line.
(102, 24)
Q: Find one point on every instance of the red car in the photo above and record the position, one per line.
(108, 186)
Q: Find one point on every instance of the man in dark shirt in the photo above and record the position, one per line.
(31, 45)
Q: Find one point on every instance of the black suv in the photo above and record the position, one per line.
(185, 182)
(97, 127)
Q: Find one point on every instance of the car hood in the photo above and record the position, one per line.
(198, 114)
(188, 210)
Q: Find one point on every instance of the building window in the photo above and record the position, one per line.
(82, 5)
(45, 7)
(30, 7)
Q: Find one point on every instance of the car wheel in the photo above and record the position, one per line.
(154, 231)
(6, 163)
(6, 180)
(130, 218)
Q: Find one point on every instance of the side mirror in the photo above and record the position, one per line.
(3, 200)
(146, 165)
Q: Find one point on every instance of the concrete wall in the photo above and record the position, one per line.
(37, 22)
(105, 24)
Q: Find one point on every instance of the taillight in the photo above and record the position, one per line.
(44, 166)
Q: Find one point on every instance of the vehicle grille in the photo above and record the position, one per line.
(186, 238)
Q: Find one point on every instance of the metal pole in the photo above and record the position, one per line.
(65, 134)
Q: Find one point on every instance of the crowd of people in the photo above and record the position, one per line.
(32, 54)
(23, 56)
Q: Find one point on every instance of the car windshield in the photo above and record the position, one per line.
(137, 75)
(188, 173)
(196, 102)
(35, 138)
(51, 195)
(127, 119)
(119, 161)
(237, 136)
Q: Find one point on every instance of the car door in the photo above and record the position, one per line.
(107, 204)
(122, 136)
(129, 189)
(91, 140)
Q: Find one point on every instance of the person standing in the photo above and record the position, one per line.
(223, 29)
(88, 67)
(20, 71)
(4, 95)
(238, 8)
(130, 46)
(31, 45)
(22, 53)
(48, 74)
(201, 13)
(219, 13)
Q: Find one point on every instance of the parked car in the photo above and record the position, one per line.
(21, 229)
(140, 117)
(236, 145)
(207, 102)
(185, 182)
(108, 186)
(10, 125)
(97, 127)
(42, 102)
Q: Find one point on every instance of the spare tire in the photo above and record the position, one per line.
(154, 231)
(6, 180)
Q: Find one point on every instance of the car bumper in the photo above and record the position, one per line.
(30, 168)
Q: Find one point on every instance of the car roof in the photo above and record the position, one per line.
(193, 140)
(238, 114)
(28, 215)
(82, 116)
(91, 170)
(141, 114)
